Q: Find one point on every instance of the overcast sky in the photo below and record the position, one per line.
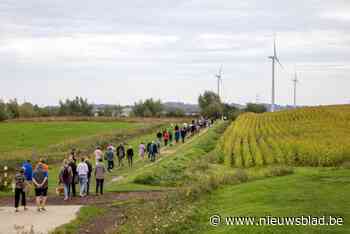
(119, 52)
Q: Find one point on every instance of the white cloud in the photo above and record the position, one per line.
(127, 50)
(84, 46)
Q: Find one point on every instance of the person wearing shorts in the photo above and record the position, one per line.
(40, 181)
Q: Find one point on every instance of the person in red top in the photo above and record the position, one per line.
(166, 137)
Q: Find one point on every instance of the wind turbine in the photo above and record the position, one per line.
(219, 79)
(274, 58)
(295, 81)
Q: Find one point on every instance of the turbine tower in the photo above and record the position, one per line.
(219, 79)
(295, 81)
(274, 58)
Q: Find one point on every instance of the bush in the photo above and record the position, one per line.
(241, 175)
(279, 171)
(229, 178)
(346, 165)
(147, 178)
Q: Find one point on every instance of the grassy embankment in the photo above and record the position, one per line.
(256, 149)
(206, 140)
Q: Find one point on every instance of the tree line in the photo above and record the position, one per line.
(211, 106)
(209, 103)
(75, 107)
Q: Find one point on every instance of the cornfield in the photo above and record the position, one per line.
(312, 136)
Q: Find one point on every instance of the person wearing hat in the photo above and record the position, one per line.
(20, 182)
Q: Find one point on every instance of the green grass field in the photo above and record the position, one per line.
(310, 191)
(19, 136)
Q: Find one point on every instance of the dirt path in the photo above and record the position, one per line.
(92, 199)
(60, 212)
(31, 221)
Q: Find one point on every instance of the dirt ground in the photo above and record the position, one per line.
(92, 199)
(60, 212)
(32, 221)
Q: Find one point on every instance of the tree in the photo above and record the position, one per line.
(12, 109)
(26, 110)
(148, 108)
(111, 111)
(256, 108)
(76, 107)
(3, 114)
(175, 112)
(210, 105)
(230, 111)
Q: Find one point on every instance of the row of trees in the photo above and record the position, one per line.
(212, 107)
(75, 107)
(81, 107)
(12, 110)
(154, 108)
(209, 103)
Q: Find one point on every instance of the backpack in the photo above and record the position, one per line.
(65, 174)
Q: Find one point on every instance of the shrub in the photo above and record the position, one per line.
(346, 165)
(147, 178)
(241, 175)
(279, 171)
(229, 178)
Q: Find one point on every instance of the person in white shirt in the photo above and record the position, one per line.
(98, 154)
(82, 171)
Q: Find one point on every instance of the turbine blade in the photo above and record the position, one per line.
(274, 47)
(280, 63)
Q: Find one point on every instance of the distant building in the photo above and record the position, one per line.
(126, 111)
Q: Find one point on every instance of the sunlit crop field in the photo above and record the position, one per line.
(317, 136)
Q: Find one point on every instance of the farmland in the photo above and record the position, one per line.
(317, 136)
(288, 163)
(52, 140)
(39, 135)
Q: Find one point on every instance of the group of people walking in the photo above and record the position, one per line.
(73, 172)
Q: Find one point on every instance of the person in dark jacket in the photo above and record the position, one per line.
(149, 150)
(154, 151)
(183, 134)
(73, 165)
(177, 135)
(66, 178)
(130, 155)
(159, 136)
(120, 154)
(100, 172)
(109, 156)
(88, 163)
(20, 182)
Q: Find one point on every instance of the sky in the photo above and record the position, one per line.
(119, 52)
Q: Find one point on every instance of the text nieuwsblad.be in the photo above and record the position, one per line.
(216, 220)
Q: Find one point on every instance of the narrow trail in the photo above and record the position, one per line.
(92, 199)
